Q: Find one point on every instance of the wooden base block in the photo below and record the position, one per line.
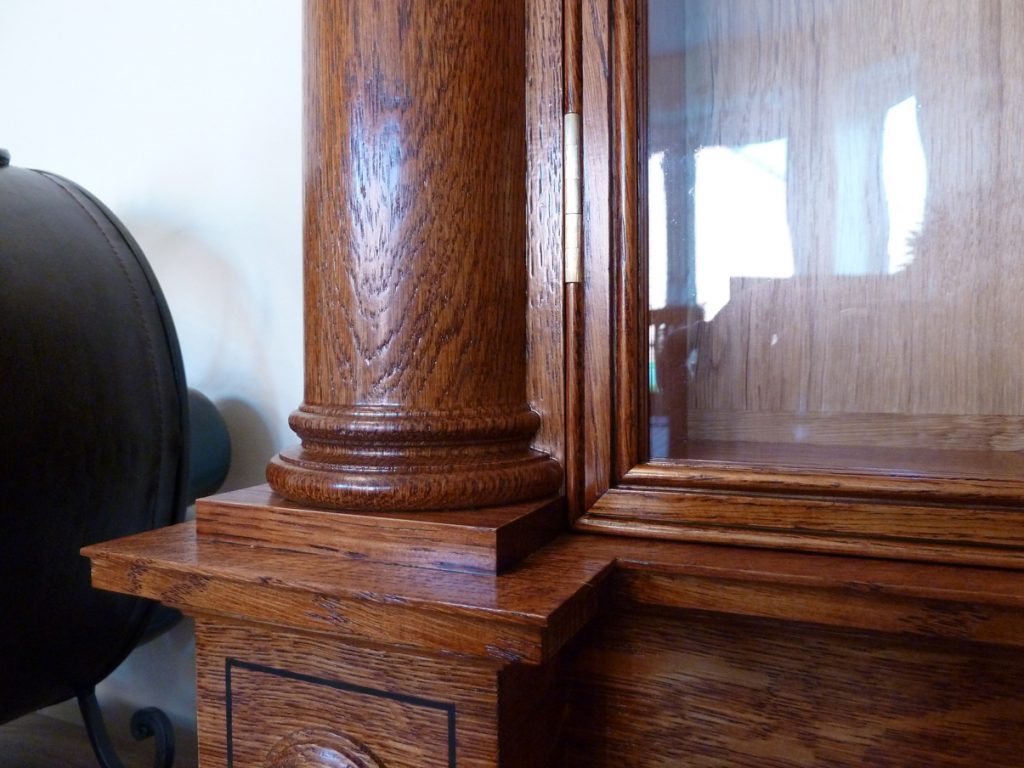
(271, 698)
(473, 541)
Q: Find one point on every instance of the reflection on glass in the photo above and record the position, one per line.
(905, 178)
(750, 178)
(834, 223)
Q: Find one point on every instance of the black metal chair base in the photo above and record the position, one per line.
(146, 723)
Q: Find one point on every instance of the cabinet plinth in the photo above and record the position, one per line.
(472, 541)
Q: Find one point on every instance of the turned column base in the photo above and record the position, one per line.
(374, 458)
(311, 478)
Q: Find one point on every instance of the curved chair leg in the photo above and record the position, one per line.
(146, 723)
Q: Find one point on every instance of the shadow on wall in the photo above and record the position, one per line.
(252, 444)
(222, 321)
(212, 305)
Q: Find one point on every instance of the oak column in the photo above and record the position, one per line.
(415, 260)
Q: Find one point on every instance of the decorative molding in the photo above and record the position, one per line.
(316, 748)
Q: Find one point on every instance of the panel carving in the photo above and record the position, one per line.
(317, 748)
(282, 719)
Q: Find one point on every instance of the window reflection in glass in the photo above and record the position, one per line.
(834, 229)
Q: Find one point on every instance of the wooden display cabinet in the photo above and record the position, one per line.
(814, 271)
(810, 553)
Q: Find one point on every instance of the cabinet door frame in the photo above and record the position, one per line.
(965, 518)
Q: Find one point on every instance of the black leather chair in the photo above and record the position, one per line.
(95, 424)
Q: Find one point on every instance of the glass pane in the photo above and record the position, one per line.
(835, 231)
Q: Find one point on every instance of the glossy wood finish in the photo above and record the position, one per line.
(926, 533)
(475, 541)
(596, 333)
(526, 615)
(545, 334)
(950, 602)
(319, 747)
(302, 696)
(935, 631)
(627, 329)
(574, 320)
(575, 411)
(825, 499)
(655, 689)
(531, 612)
(286, 689)
(415, 281)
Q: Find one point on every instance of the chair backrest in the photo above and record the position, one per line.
(94, 424)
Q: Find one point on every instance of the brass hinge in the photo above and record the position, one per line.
(573, 199)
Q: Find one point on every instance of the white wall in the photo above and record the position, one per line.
(183, 116)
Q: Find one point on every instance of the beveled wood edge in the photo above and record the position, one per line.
(964, 603)
(838, 607)
(975, 534)
(920, 486)
(483, 520)
(350, 619)
(361, 601)
(896, 550)
(488, 540)
(961, 603)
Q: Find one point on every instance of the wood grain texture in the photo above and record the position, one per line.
(526, 614)
(936, 476)
(931, 600)
(544, 330)
(320, 748)
(637, 691)
(533, 711)
(415, 278)
(574, 320)
(475, 541)
(655, 689)
(575, 400)
(572, 55)
(531, 612)
(953, 434)
(597, 327)
(965, 507)
(627, 252)
(301, 696)
(970, 535)
(594, 650)
(406, 711)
